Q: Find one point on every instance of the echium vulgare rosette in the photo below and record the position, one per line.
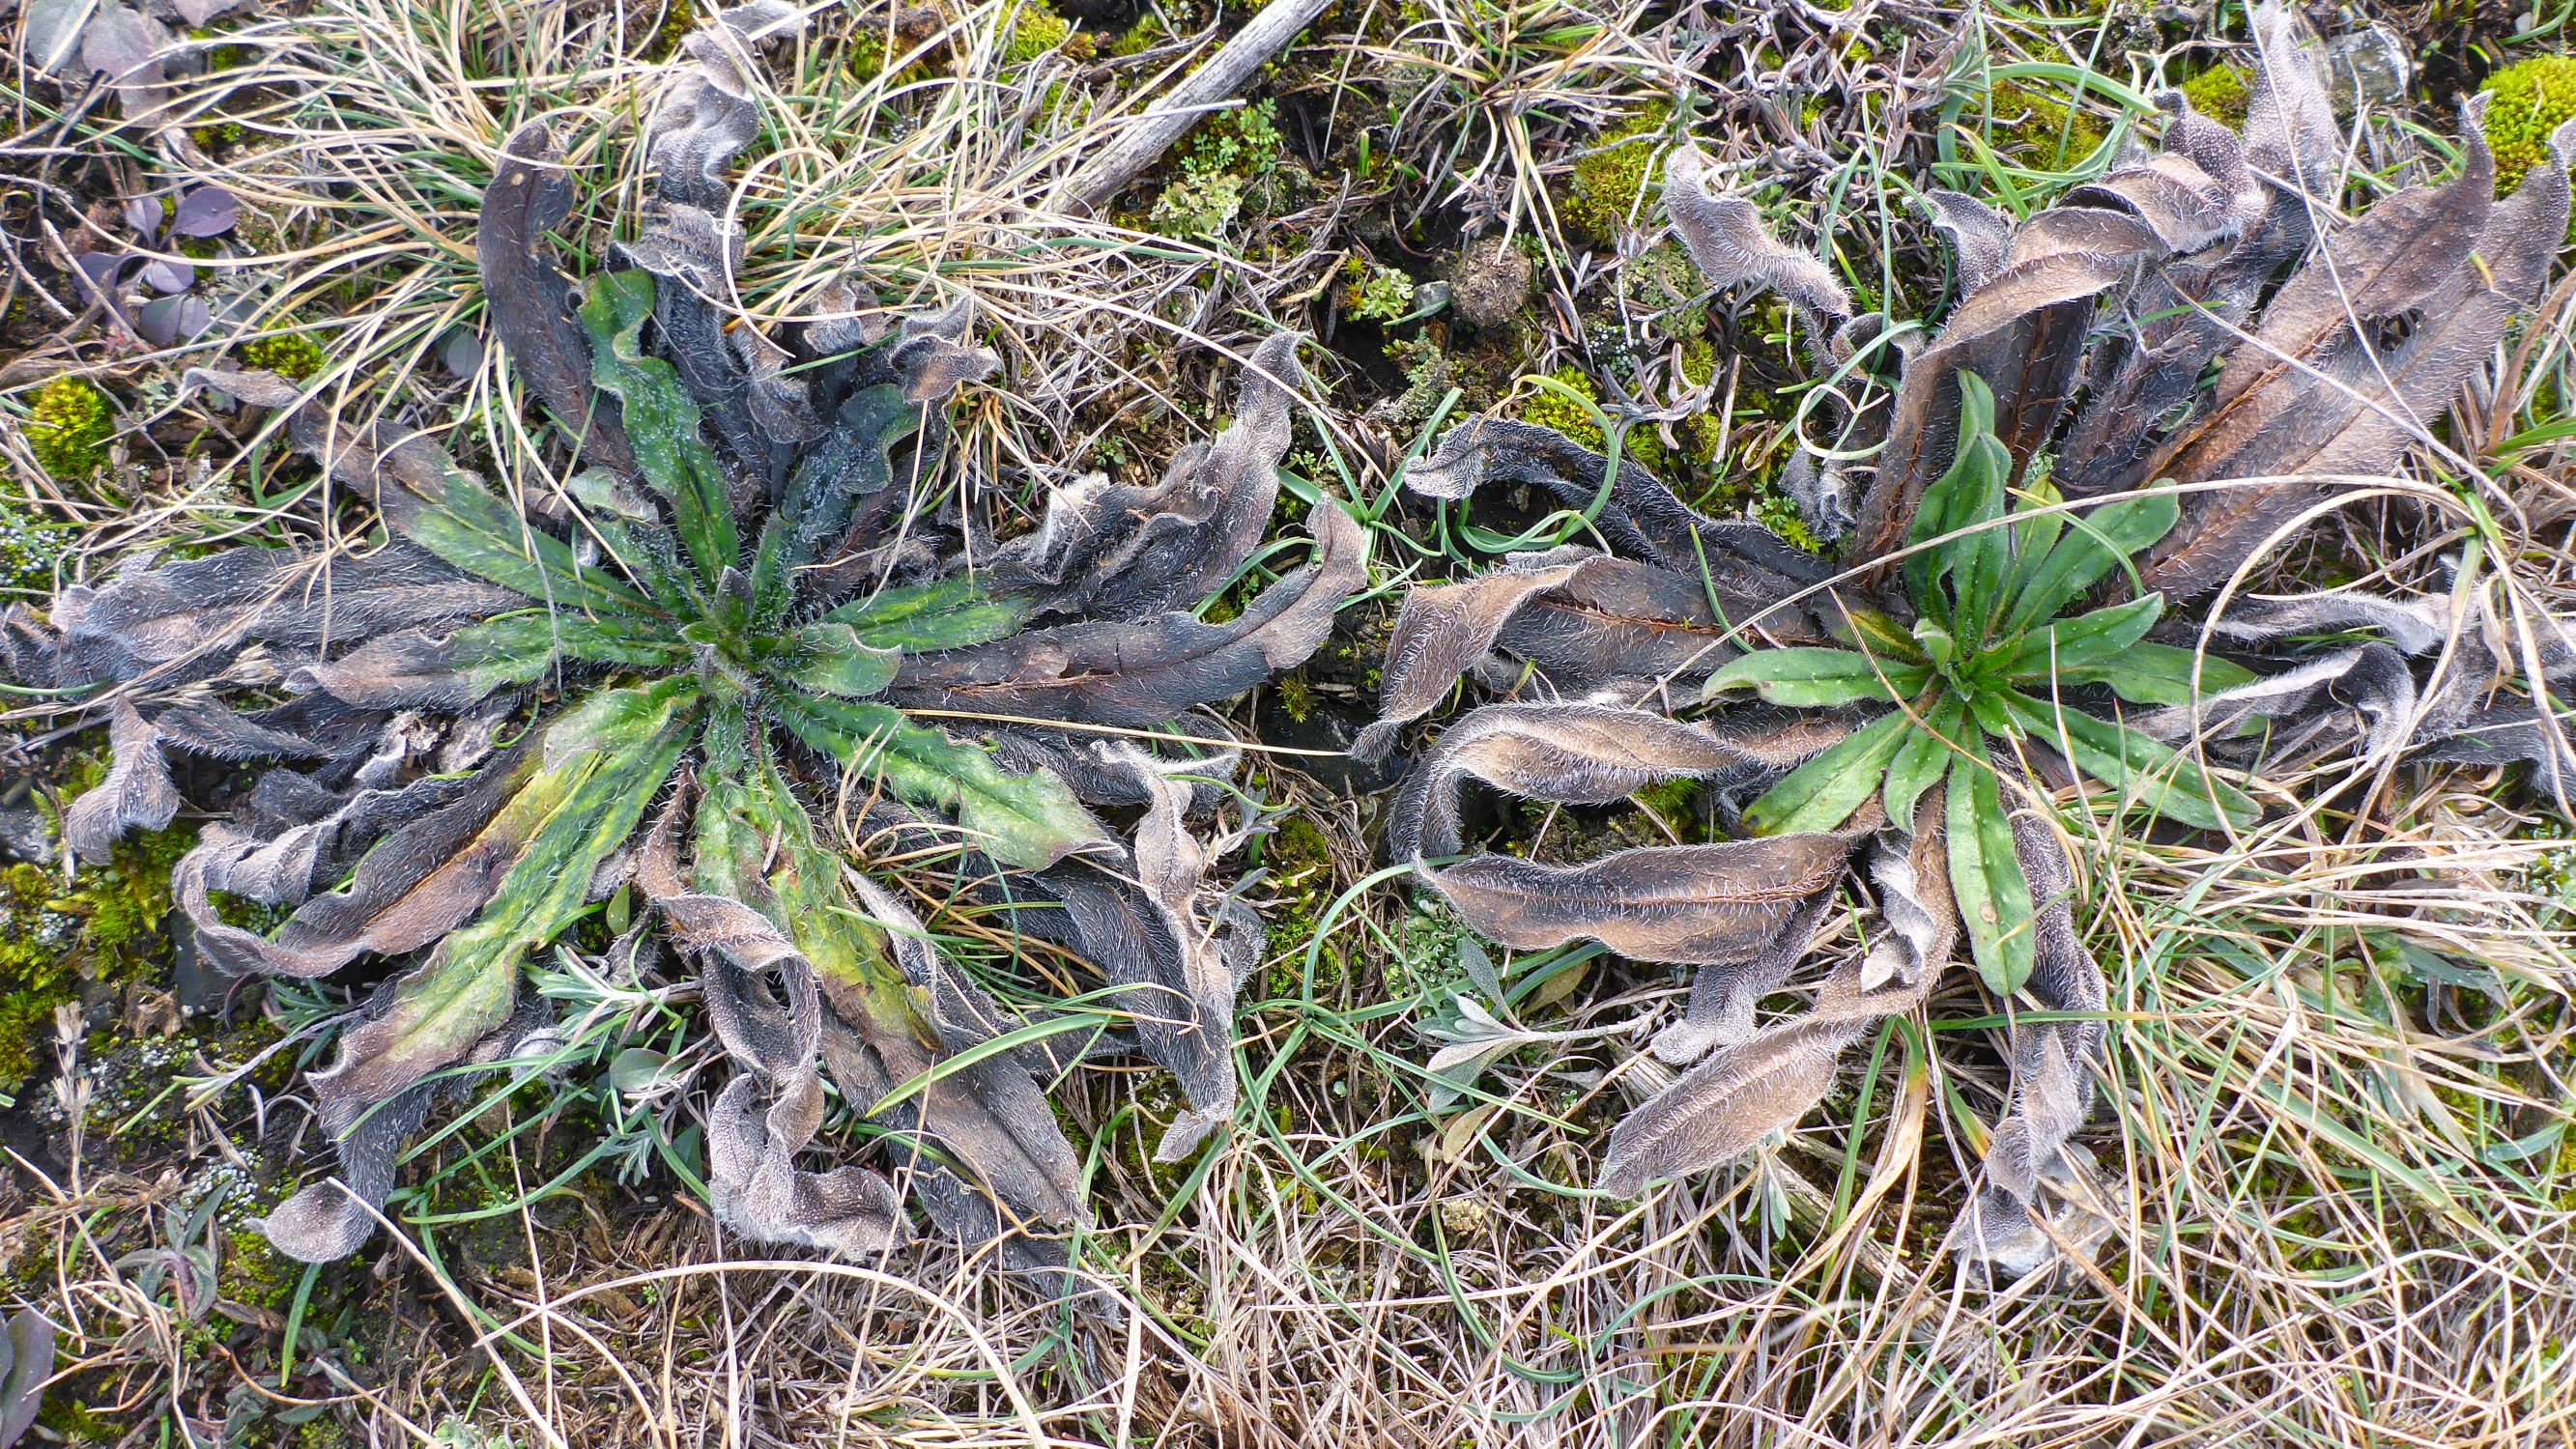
(2034, 609)
(745, 636)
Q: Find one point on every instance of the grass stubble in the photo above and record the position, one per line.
(2340, 1199)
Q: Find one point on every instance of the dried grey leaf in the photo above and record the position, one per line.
(2319, 393)
(525, 296)
(1715, 905)
(413, 886)
(1765, 1083)
(1725, 1106)
(1441, 630)
(1731, 247)
(1583, 754)
(2290, 130)
(137, 793)
(1140, 675)
(2365, 695)
(1980, 236)
(757, 1189)
(2412, 625)
(1129, 553)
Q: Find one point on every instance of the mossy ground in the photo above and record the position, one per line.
(68, 428)
(2525, 102)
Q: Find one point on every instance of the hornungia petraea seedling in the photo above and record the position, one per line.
(2036, 609)
(759, 626)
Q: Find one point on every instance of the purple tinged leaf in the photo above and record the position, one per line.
(168, 321)
(166, 277)
(206, 211)
(51, 32)
(101, 271)
(461, 352)
(198, 12)
(143, 214)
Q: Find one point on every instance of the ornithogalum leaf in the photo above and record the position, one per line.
(661, 420)
(1986, 877)
(950, 614)
(1028, 820)
(1822, 793)
(1820, 678)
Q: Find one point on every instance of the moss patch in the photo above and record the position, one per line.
(2528, 100)
(292, 355)
(28, 551)
(2219, 93)
(58, 933)
(1221, 162)
(1038, 30)
(68, 428)
(2038, 129)
(1611, 182)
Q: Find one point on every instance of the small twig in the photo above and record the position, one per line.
(1148, 136)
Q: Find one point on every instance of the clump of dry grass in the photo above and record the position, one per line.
(2339, 1097)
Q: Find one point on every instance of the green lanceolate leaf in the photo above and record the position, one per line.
(1823, 792)
(2098, 638)
(828, 658)
(2159, 674)
(661, 420)
(576, 811)
(478, 531)
(1967, 501)
(2145, 771)
(950, 614)
(1985, 875)
(523, 648)
(1028, 820)
(2095, 542)
(847, 464)
(1924, 755)
(1819, 678)
(756, 843)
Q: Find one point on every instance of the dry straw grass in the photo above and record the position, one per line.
(2340, 1209)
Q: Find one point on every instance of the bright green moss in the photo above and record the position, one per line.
(1220, 162)
(1378, 294)
(2527, 100)
(2038, 129)
(1611, 182)
(55, 933)
(253, 1273)
(679, 17)
(1553, 409)
(1778, 512)
(1296, 697)
(1037, 30)
(292, 355)
(68, 428)
(2220, 94)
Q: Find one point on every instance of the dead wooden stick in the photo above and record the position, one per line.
(1149, 135)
